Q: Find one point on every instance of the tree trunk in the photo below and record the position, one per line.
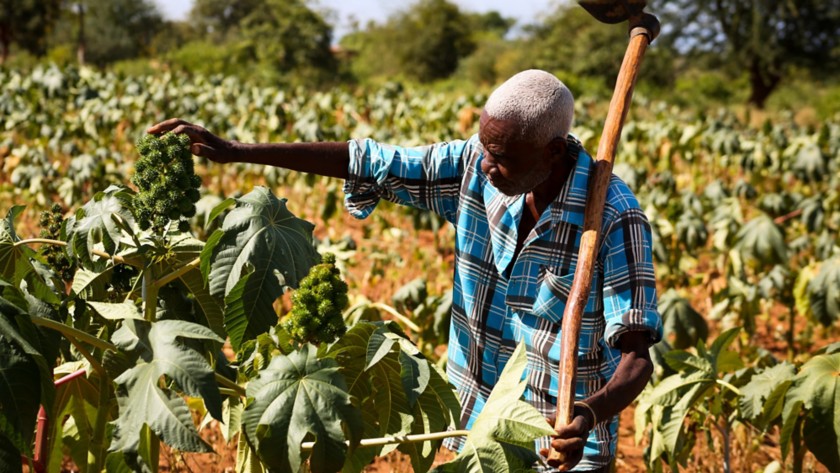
(5, 39)
(763, 82)
(80, 43)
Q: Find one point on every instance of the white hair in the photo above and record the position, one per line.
(538, 102)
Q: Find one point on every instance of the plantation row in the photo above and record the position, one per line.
(745, 224)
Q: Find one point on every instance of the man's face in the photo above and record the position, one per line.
(513, 166)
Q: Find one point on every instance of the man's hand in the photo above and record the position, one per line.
(569, 440)
(204, 143)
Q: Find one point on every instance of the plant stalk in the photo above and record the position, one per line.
(94, 363)
(47, 241)
(71, 332)
(149, 295)
(791, 335)
(96, 451)
(229, 384)
(378, 442)
(177, 273)
(402, 318)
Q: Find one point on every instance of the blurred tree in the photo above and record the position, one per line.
(766, 37)
(575, 46)
(571, 41)
(423, 43)
(28, 24)
(290, 39)
(274, 40)
(220, 20)
(432, 37)
(113, 30)
(488, 31)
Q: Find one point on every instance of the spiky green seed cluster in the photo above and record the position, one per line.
(166, 182)
(317, 305)
(51, 222)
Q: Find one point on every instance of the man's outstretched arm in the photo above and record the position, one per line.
(322, 158)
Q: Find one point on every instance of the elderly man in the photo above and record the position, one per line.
(515, 193)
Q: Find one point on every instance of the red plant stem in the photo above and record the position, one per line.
(42, 430)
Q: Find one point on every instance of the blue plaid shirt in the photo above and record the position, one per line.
(499, 301)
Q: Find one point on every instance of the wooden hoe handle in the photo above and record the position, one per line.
(643, 30)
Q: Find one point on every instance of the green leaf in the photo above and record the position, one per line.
(720, 344)
(763, 397)
(824, 293)
(410, 295)
(143, 402)
(433, 412)
(683, 326)
(20, 395)
(262, 239)
(762, 240)
(113, 311)
(672, 389)
(242, 322)
(377, 381)
(262, 231)
(218, 209)
(12, 257)
(73, 400)
(502, 438)
(10, 459)
(91, 284)
(16, 326)
(207, 254)
(297, 397)
(211, 306)
(817, 388)
(185, 250)
(94, 224)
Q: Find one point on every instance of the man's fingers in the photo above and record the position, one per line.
(200, 149)
(568, 445)
(165, 126)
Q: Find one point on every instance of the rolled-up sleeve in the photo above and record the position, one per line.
(425, 177)
(629, 279)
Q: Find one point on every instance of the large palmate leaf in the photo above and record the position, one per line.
(824, 293)
(817, 389)
(95, 225)
(295, 398)
(762, 240)
(38, 344)
(682, 325)
(437, 409)
(141, 398)
(20, 399)
(377, 384)
(763, 397)
(11, 256)
(262, 240)
(210, 308)
(502, 438)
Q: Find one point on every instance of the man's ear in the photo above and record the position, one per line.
(557, 149)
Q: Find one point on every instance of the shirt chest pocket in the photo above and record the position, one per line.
(552, 292)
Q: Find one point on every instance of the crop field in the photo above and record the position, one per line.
(219, 345)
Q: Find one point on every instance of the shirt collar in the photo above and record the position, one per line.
(570, 204)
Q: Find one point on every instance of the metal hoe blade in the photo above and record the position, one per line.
(613, 11)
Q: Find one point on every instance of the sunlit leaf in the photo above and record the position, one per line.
(262, 240)
(141, 398)
(502, 437)
(824, 293)
(817, 389)
(300, 397)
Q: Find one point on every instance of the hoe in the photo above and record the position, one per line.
(643, 28)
